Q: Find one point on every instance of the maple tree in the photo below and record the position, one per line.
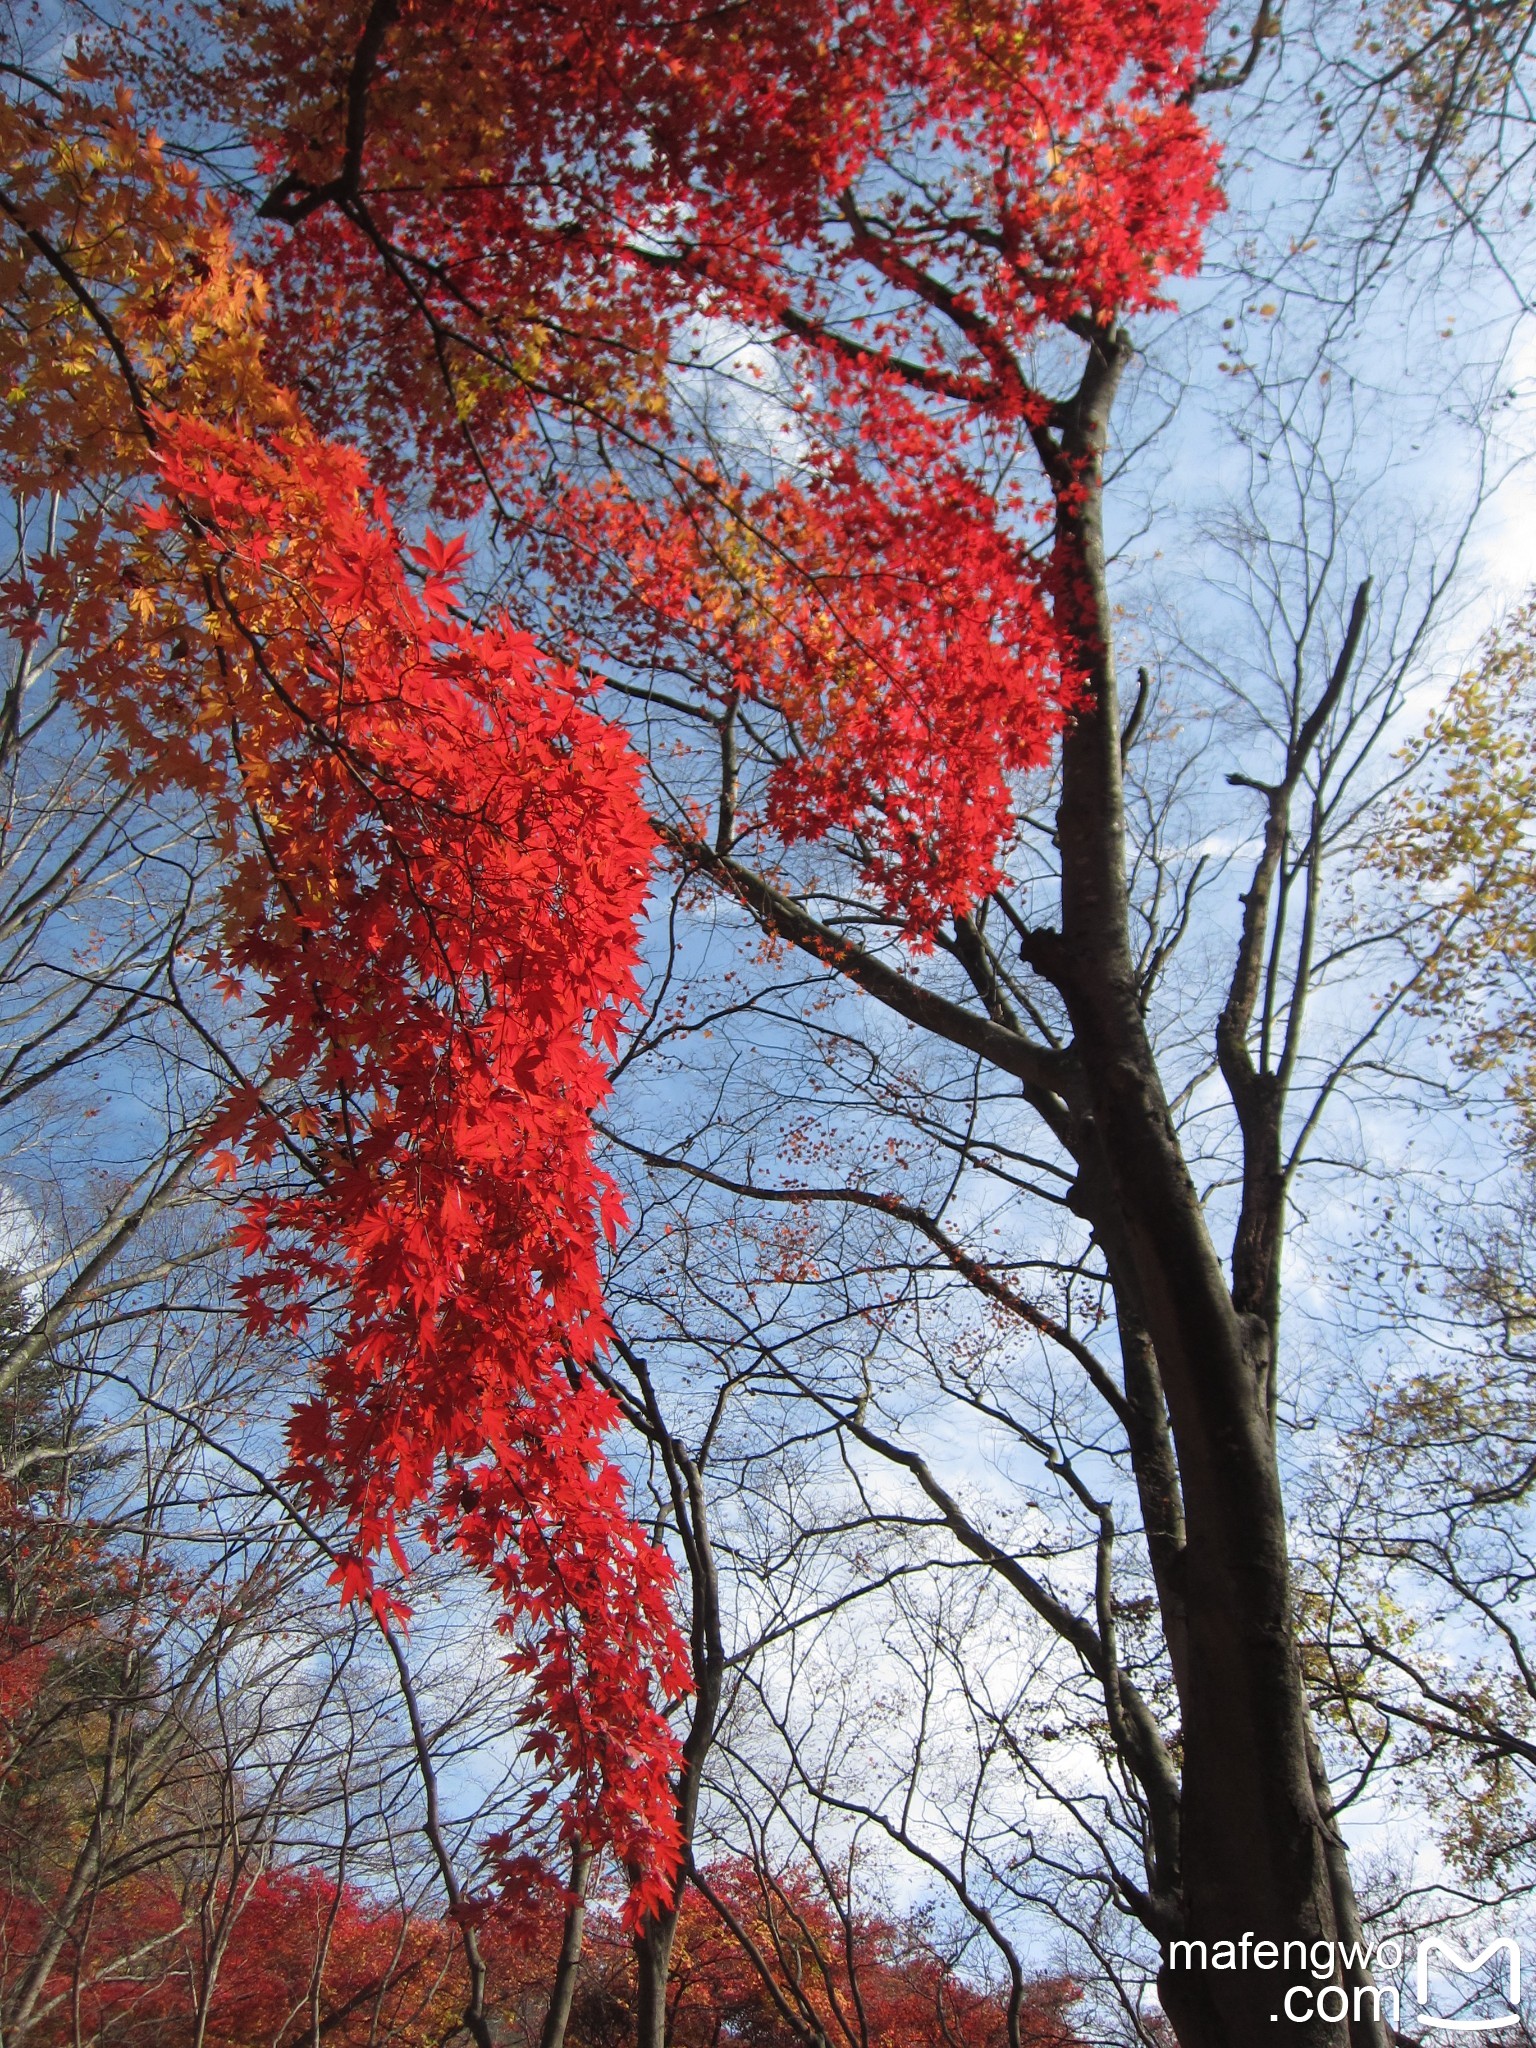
(382, 1974)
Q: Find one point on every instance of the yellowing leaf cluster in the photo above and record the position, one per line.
(1464, 842)
(123, 293)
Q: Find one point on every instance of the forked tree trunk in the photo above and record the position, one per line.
(1256, 1851)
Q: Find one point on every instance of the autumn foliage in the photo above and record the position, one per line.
(385, 1975)
(493, 256)
(533, 251)
(299, 1947)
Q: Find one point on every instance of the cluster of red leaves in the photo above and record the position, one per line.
(521, 156)
(898, 198)
(296, 1947)
(914, 658)
(436, 858)
(145, 1966)
(918, 675)
(46, 1573)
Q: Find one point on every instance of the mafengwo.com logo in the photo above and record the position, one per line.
(1455, 1992)
(1452, 1989)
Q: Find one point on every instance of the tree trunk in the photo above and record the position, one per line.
(563, 1990)
(1254, 1848)
(653, 1964)
(653, 1940)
